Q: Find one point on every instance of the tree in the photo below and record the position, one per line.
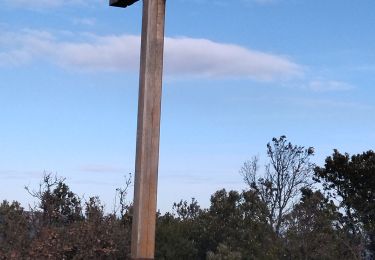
(121, 205)
(224, 253)
(59, 205)
(176, 238)
(236, 223)
(64, 231)
(14, 230)
(351, 180)
(233, 227)
(178, 234)
(289, 169)
(314, 230)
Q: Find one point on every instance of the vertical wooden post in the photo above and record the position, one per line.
(148, 131)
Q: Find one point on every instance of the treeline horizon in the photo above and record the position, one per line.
(291, 209)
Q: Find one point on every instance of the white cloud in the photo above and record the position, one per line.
(34, 3)
(48, 4)
(84, 21)
(365, 68)
(42, 4)
(183, 56)
(226, 2)
(314, 103)
(207, 58)
(14, 58)
(330, 85)
(94, 168)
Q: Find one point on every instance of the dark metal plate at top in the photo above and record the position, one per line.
(122, 3)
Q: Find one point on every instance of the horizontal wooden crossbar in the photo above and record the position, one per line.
(122, 3)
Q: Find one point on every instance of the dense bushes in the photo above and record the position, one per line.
(235, 226)
(336, 222)
(59, 228)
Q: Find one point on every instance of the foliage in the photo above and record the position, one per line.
(351, 180)
(57, 203)
(333, 223)
(58, 227)
(233, 227)
(313, 231)
(14, 230)
(224, 253)
(289, 170)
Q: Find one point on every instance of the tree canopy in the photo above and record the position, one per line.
(281, 214)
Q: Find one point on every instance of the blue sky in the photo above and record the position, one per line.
(237, 73)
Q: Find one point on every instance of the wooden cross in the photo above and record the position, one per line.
(148, 129)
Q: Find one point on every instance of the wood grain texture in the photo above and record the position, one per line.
(148, 131)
